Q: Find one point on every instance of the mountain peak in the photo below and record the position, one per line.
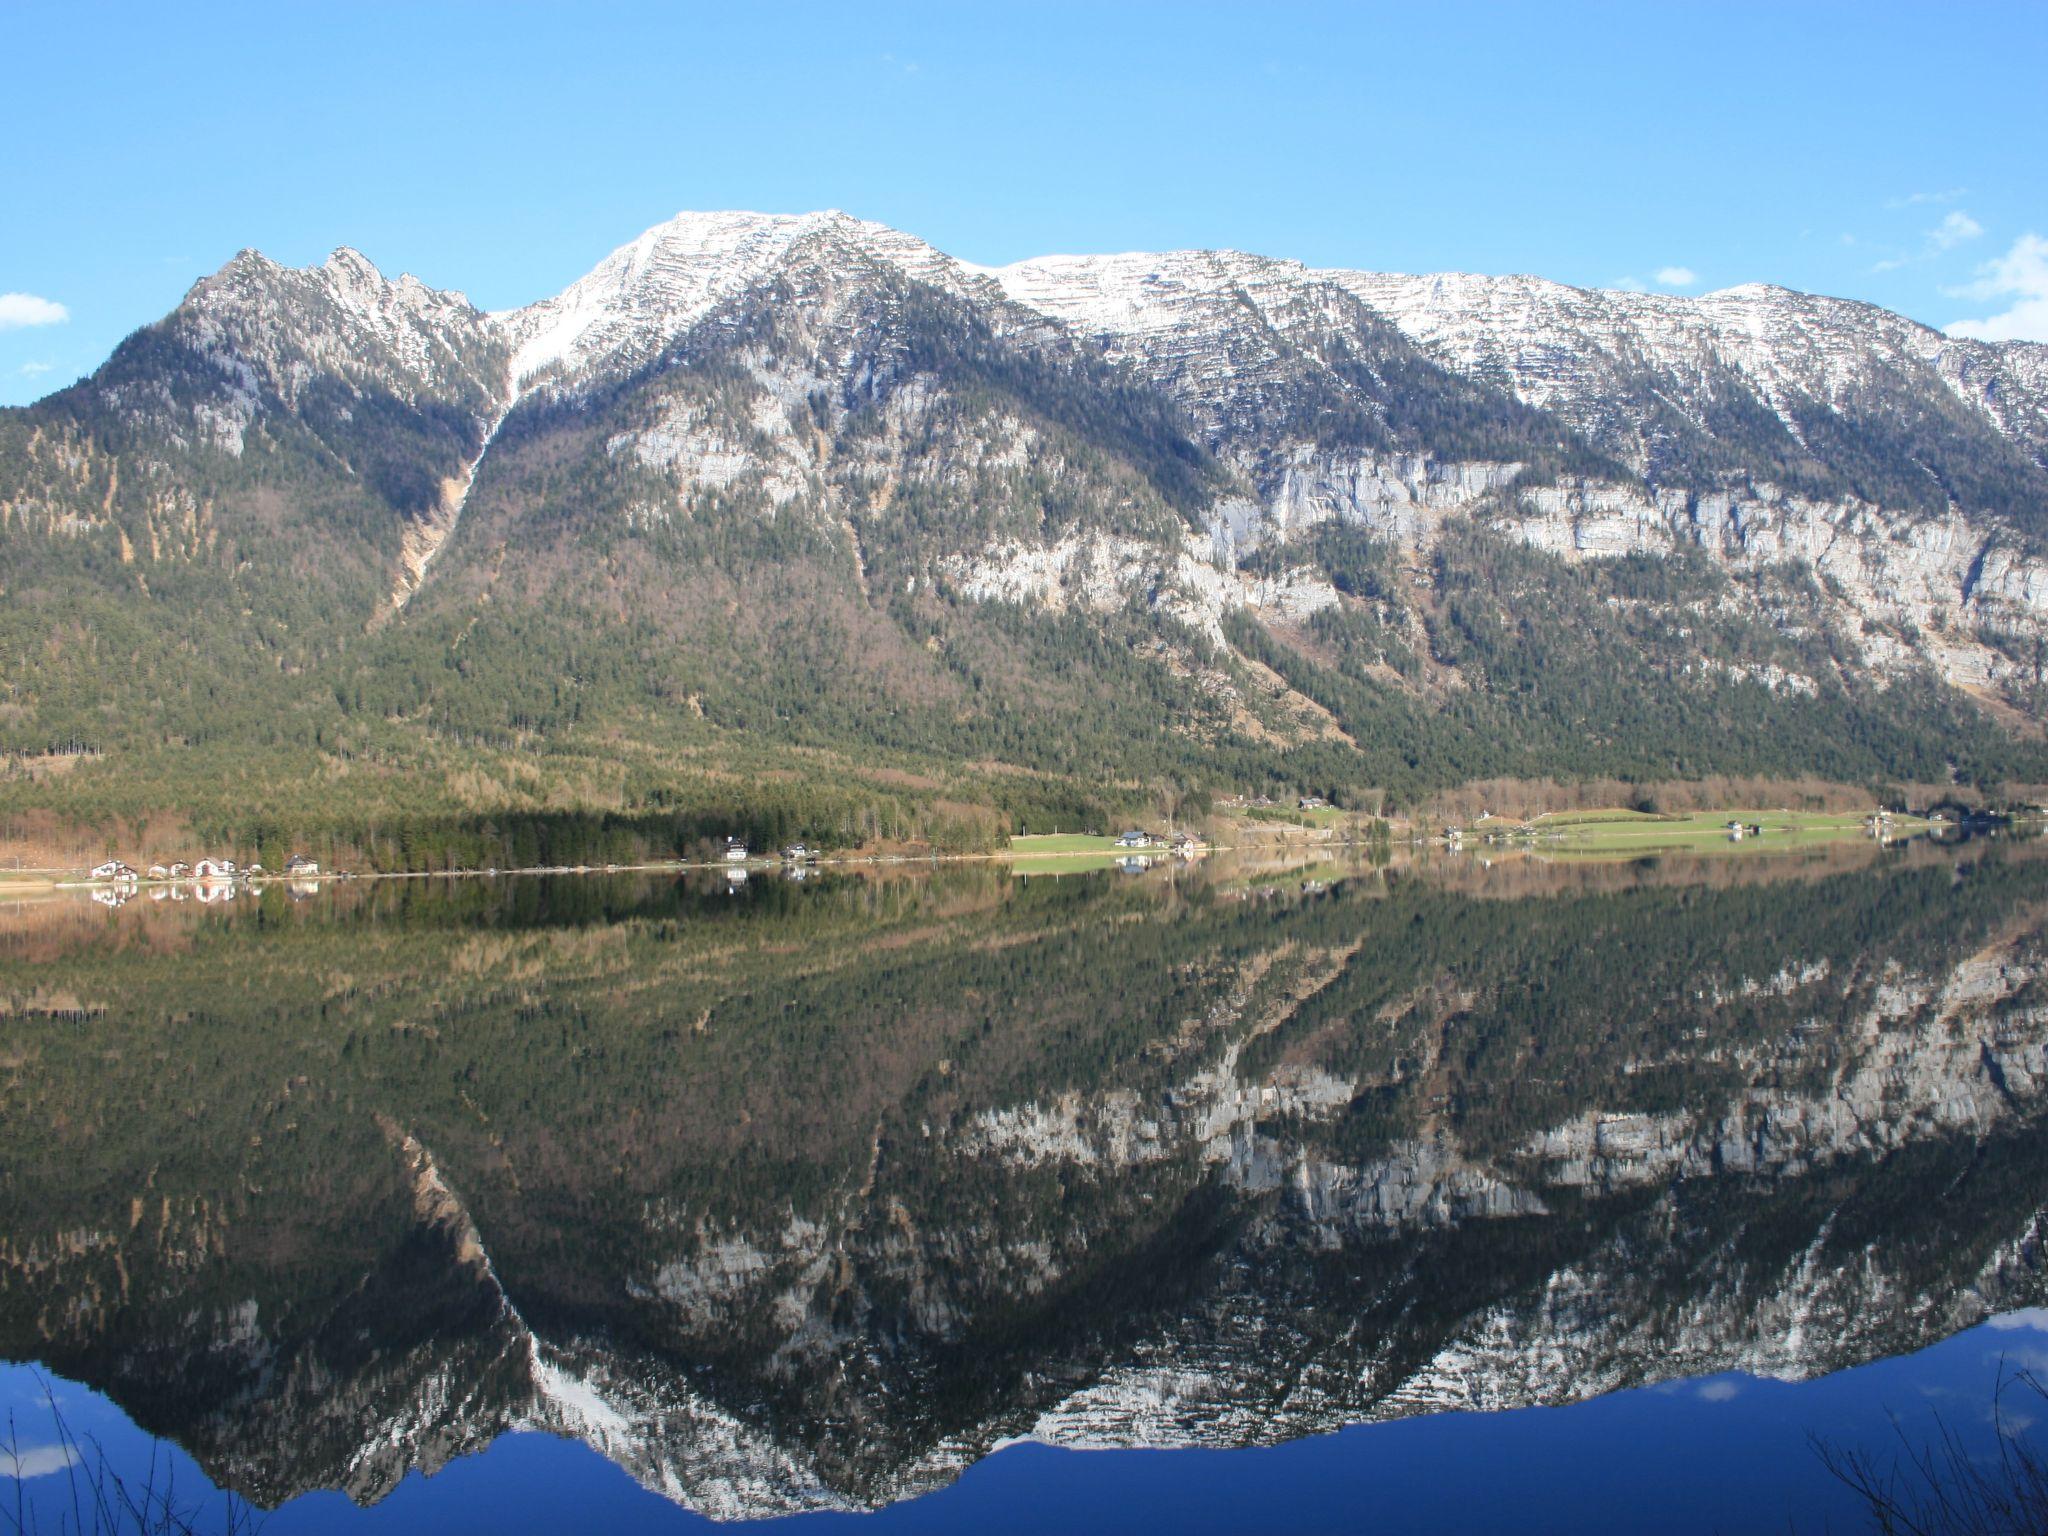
(346, 258)
(655, 286)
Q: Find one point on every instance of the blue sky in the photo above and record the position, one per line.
(1891, 153)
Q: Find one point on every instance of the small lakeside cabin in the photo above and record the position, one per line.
(1135, 839)
(735, 851)
(299, 867)
(214, 869)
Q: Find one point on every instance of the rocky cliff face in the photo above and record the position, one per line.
(1757, 424)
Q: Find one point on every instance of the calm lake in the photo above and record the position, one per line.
(1461, 1197)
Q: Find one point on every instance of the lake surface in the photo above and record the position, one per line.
(1460, 1197)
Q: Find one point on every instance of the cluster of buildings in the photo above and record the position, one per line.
(1178, 842)
(297, 867)
(1182, 845)
(208, 879)
(796, 856)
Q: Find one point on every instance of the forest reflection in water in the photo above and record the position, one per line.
(799, 1195)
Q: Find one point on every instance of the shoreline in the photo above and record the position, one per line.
(1573, 836)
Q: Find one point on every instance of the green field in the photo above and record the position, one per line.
(1620, 830)
(1065, 853)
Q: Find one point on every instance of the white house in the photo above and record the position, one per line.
(735, 851)
(214, 869)
(299, 865)
(1134, 839)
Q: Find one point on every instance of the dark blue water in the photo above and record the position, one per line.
(1725, 1454)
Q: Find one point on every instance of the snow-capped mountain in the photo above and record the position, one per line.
(1263, 477)
(646, 294)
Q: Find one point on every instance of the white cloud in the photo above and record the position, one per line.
(35, 1461)
(1953, 231)
(22, 309)
(1718, 1391)
(1677, 277)
(2021, 275)
(2033, 1319)
(35, 370)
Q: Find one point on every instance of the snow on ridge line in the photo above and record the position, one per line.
(755, 239)
(1559, 344)
(672, 274)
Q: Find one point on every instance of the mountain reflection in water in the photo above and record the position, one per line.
(808, 1196)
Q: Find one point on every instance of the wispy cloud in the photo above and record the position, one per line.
(35, 370)
(1956, 228)
(1919, 199)
(2020, 275)
(18, 310)
(1719, 1391)
(1677, 277)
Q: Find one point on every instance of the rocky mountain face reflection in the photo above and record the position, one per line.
(807, 1196)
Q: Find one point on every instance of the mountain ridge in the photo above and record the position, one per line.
(805, 482)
